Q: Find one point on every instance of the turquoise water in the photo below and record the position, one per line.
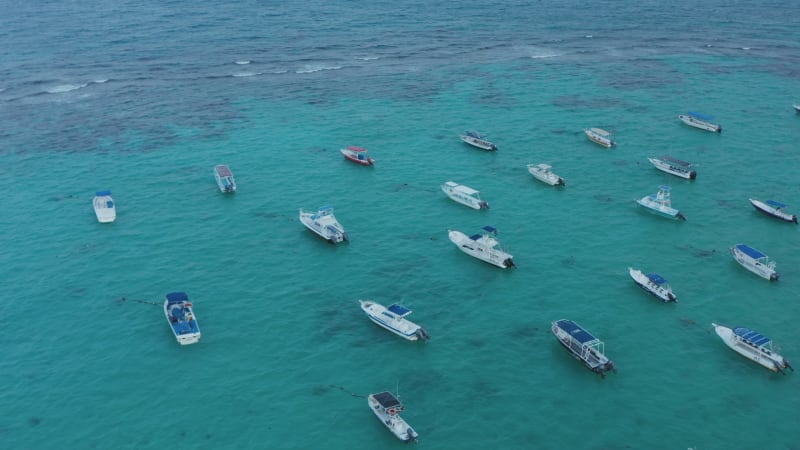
(286, 355)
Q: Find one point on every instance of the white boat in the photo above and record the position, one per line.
(674, 166)
(796, 108)
(224, 177)
(104, 207)
(324, 223)
(394, 319)
(774, 209)
(357, 155)
(583, 346)
(476, 139)
(483, 246)
(755, 261)
(753, 346)
(387, 408)
(701, 121)
(543, 173)
(660, 203)
(600, 136)
(654, 284)
(181, 318)
(464, 195)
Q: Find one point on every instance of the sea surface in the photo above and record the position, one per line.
(143, 98)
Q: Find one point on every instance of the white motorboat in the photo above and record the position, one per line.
(224, 177)
(387, 408)
(583, 346)
(324, 223)
(476, 139)
(796, 108)
(755, 261)
(774, 209)
(660, 203)
(357, 155)
(104, 207)
(674, 166)
(543, 173)
(483, 246)
(701, 121)
(393, 318)
(600, 136)
(753, 346)
(181, 318)
(464, 195)
(653, 283)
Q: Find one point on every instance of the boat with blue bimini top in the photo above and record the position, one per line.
(483, 246)
(753, 346)
(700, 120)
(479, 140)
(181, 318)
(600, 136)
(660, 203)
(774, 209)
(755, 261)
(393, 318)
(583, 346)
(387, 408)
(674, 166)
(104, 207)
(324, 224)
(464, 195)
(224, 177)
(654, 284)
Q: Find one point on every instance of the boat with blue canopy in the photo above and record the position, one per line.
(104, 207)
(701, 121)
(180, 315)
(583, 346)
(660, 203)
(483, 245)
(393, 318)
(324, 224)
(773, 208)
(387, 408)
(479, 140)
(654, 284)
(755, 261)
(753, 346)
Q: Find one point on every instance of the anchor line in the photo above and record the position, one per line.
(353, 394)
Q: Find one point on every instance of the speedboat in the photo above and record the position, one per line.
(483, 246)
(542, 173)
(753, 346)
(774, 209)
(393, 319)
(224, 177)
(755, 261)
(104, 207)
(476, 139)
(600, 136)
(653, 283)
(661, 204)
(357, 155)
(464, 195)
(674, 166)
(181, 318)
(387, 408)
(699, 120)
(584, 347)
(796, 108)
(324, 223)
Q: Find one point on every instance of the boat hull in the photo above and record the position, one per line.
(754, 266)
(331, 231)
(186, 329)
(701, 124)
(600, 140)
(670, 213)
(466, 200)
(399, 427)
(385, 319)
(673, 170)
(773, 212)
(773, 361)
(224, 178)
(665, 295)
(589, 357)
(546, 177)
(353, 156)
(103, 212)
(479, 143)
(492, 256)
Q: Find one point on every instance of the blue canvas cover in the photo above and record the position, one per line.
(576, 331)
(398, 309)
(750, 335)
(176, 297)
(490, 229)
(656, 278)
(475, 237)
(700, 116)
(102, 193)
(775, 204)
(475, 134)
(675, 161)
(750, 251)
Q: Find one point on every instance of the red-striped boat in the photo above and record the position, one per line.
(357, 155)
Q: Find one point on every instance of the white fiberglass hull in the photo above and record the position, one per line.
(386, 319)
(490, 255)
(774, 212)
(465, 200)
(754, 266)
(773, 362)
(659, 209)
(103, 213)
(672, 170)
(645, 283)
(546, 177)
(187, 338)
(701, 124)
(328, 229)
(479, 143)
(605, 142)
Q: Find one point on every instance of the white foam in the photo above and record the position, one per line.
(242, 62)
(745, 48)
(368, 58)
(100, 80)
(311, 68)
(245, 74)
(588, 36)
(61, 88)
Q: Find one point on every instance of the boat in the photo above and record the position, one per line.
(387, 408)
(543, 173)
(661, 204)
(600, 136)
(796, 108)
(699, 120)
(104, 207)
(393, 318)
(755, 261)
(224, 177)
(753, 346)
(584, 347)
(483, 246)
(476, 139)
(674, 166)
(464, 195)
(774, 209)
(653, 283)
(324, 223)
(357, 155)
(181, 318)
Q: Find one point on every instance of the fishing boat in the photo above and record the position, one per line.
(181, 318)
(104, 207)
(224, 177)
(653, 283)
(464, 195)
(483, 246)
(476, 139)
(584, 347)
(699, 120)
(393, 318)
(755, 261)
(543, 173)
(660, 203)
(753, 346)
(324, 224)
(357, 155)
(600, 136)
(674, 166)
(387, 408)
(774, 209)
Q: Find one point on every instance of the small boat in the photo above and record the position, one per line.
(542, 173)
(357, 155)
(674, 166)
(324, 223)
(181, 318)
(387, 408)
(393, 319)
(796, 108)
(774, 209)
(104, 207)
(586, 348)
(755, 261)
(224, 177)
(464, 195)
(661, 204)
(653, 283)
(600, 136)
(483, 246)
(753, 346)
(476, 139)
(701, 121)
